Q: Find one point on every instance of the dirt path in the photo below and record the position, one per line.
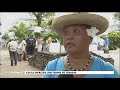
(8, 71)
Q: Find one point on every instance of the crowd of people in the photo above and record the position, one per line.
(27, 47)
(24, 50)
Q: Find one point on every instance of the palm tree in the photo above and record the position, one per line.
(21, 31)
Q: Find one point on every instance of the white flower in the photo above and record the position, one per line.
(92, 31)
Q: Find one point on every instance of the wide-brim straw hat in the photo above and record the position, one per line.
(94, 20)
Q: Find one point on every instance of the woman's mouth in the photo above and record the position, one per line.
(70, 44)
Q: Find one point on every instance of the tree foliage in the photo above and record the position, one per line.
(42, 17)
(21, 31)
(6, 37)
(44, 20)
(117, 16)
(114, 38)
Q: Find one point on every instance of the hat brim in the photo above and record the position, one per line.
(93, 20)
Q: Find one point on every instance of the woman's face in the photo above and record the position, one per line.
(76, 39)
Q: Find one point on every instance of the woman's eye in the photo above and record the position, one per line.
(76, 30)
(65, 31)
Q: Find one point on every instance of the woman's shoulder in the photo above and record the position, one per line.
(52, 64)
(102, 62)
(105, 66)
(57, 60)
(98, 59)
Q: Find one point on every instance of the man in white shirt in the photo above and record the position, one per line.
(101, 43)
(12, 47)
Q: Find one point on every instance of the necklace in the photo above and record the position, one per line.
(81, 69)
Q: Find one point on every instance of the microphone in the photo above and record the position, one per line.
(65, 75)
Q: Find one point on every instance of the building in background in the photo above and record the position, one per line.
(113, 26)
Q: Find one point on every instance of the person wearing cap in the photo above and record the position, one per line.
(78, 31)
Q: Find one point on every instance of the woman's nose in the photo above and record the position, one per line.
(69, 37)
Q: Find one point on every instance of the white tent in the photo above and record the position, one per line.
(36, 29)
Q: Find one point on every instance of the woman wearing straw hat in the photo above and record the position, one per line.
(78, 31)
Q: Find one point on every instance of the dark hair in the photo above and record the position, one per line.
(24, 38)
(101, 37)
(86, 26)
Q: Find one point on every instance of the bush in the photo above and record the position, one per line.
(114, 38)
(104, 37)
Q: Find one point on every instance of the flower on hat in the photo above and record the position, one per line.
(92, 31)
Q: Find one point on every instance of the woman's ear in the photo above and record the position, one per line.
(90, 39)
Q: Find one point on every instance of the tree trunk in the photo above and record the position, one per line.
(38, 16)
(39, 20)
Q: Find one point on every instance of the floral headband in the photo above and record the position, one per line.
(92, 31)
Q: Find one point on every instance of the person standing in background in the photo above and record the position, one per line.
(12, 47)
(49, 41)
(19, 51)
(31, 43)
(24, 53)
(54, 40)
(39, 44)
(101, 43)
(106, 44)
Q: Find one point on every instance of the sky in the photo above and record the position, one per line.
(9, 18)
